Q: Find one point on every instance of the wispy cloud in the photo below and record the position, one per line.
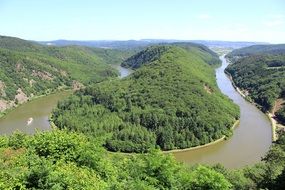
(204, 16)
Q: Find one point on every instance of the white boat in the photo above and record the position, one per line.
(30, 120)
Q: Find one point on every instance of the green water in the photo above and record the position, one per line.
(38, 109)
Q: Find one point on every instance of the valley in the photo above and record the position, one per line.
(162, 104)
(142, 95)
(255, 133)
(127, 113)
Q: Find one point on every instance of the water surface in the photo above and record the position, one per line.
(38, 109)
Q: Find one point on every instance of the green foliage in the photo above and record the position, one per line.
(171, 100)
(205, 178)
(38, 69)
(67, 160)
(18, 140)
(145, 57)
(131, 139)
(258, 50)
(239, 179)
(57, 164)
(280, 114)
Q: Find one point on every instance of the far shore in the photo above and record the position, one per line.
(274, 124)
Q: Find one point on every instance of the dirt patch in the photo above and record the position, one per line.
(19, 66)
(43, 75)
(3, 105)
(77, 85)
(279, 103)
(31, 82)
(63, 73)
(208, 89)
(2, 89)
(21, 97)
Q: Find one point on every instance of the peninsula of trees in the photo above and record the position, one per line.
(171, 101)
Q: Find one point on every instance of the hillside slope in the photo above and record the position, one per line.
(150, 54)
(258, 49)
(28, 69)
(171, 101)
(260, 72)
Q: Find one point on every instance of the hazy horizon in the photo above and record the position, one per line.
(110, 20)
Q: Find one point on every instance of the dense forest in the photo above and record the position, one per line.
(257, 50)
(171, 101)
(28, 69)
(60, 159)
(260, 72)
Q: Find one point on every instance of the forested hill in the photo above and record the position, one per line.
(28, 69)
(257, 50)
(172, 101)
(154, 52)
(261, 75)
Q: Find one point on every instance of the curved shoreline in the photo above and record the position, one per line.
(223, 138)
(273, 126)
(268, 114)
(205, 145)
(7, 111)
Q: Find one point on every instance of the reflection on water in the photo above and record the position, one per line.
(123, 71)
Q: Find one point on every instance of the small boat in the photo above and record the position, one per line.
(30, 120)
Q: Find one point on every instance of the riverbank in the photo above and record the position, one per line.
(205, 145)
(53, 126)
(7, 111)
(275, 126)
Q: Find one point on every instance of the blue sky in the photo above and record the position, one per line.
(232, 20)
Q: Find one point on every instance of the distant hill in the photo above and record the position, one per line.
(171, 100)
(258, 49)
(29, 69)
(129, 44)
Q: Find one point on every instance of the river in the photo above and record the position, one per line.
(251, 139)
(39, 109)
